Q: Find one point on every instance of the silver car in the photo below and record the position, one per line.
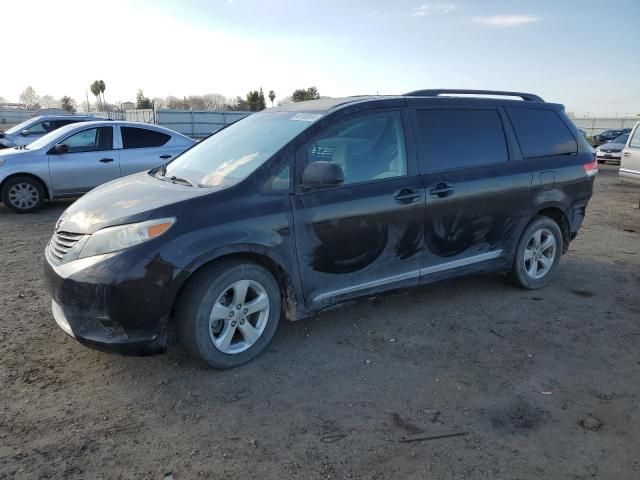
(32, 129)
(612, 151)
(72, 160)
(630, 163)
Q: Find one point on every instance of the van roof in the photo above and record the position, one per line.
(435, 97)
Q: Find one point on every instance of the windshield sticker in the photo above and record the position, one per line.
(306, 117)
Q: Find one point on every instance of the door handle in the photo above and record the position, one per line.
(165, 156)
(106, 160)
(441, 190)
(406, 195)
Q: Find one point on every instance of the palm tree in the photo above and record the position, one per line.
(95, 89)
(272, 96)
(102, 86)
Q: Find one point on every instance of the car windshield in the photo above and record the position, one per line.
(44, 140)
(621, 139)
(232, 154)
(21, 126)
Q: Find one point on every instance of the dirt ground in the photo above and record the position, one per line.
(541, 384)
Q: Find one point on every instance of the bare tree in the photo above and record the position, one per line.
(30, 98)
(47, 101)
(214, 101)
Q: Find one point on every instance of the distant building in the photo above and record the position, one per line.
(128, 105)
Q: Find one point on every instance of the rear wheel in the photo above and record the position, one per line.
(229, 313)
(23, 194)
(537, 255)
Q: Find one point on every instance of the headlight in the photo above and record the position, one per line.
(112, 239)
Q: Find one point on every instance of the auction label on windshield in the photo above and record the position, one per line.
(306, 117)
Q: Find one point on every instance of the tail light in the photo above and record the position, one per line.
(591, 168)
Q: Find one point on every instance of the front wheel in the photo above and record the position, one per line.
(23, 194)
(537, 255)
(229, 313)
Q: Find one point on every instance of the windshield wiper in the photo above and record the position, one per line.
(175, 179)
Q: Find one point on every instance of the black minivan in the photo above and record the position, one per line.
(308, 205)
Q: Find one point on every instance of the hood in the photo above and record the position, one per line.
(125, 200)
(11, 152)
(614, 147)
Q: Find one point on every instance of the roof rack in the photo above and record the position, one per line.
(527, 97)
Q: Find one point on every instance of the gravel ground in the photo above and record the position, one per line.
(539, 384)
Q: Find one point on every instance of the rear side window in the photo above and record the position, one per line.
(456, 138)
(133, 137)
(541, 132)
(635, 140)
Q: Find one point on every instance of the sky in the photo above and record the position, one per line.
(584, 54)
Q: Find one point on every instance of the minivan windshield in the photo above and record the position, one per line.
(21, 126)
(232, 154)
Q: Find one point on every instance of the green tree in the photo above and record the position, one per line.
(142, 101)
(68, 103)
(256, 101)
(302, 94)
(272, 96)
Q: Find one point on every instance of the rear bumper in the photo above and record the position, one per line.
(109, 304)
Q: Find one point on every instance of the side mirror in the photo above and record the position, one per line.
(25, 133)
(322, 175)
(60, 148)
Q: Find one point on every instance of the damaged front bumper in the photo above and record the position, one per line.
(116, 302)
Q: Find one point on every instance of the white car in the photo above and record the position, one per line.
(72, 160)
(32, 129)
(612, 151)
(630, 163)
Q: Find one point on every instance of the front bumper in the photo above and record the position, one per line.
(115, 302)
(609, 155)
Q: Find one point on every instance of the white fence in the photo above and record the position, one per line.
(595, 125)
(193, 123)
(10, 117)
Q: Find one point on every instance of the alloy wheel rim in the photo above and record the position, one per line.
(540, 253)
(239, 316)
(23, 195)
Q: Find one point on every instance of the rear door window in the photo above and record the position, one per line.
(541, 132)
(458, 138)
(133, 137)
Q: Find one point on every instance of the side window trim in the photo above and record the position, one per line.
(300, 160)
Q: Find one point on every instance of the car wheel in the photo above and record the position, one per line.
(23, 194)
(537, 255)
(229, 313)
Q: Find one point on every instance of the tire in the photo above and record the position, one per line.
(199, 325)
(23, 194)
(538, 269)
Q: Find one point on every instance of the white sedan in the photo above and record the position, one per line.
(72, 160)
